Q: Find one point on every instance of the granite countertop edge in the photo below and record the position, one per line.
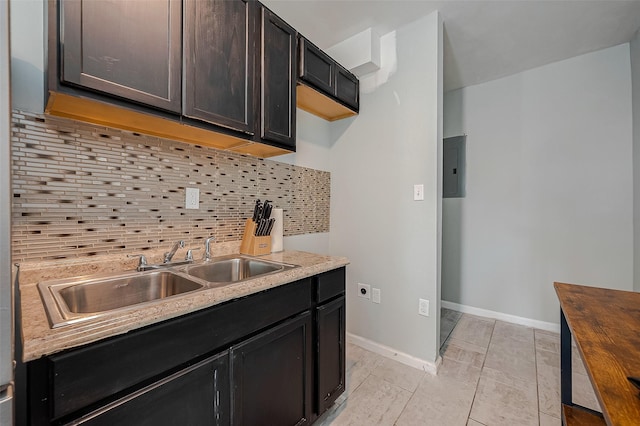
(39, 339)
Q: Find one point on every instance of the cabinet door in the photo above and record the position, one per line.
(278, 80)
(219, 62)
(316, 67)
(331, 353)
(130, 49)
(198, 395)
(271, 376)
(347, 87)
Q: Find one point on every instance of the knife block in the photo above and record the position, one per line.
(252, 245)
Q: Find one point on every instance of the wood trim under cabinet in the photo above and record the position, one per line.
(88, 110)
(321, 105)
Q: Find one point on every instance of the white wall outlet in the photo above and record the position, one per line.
(364, 290)
(375, 295)
(418, 192)
(192, 198)
(423, 307)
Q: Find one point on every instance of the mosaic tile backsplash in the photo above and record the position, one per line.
(83, 190)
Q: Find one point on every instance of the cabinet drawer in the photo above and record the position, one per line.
(330, 284)
(87, 375)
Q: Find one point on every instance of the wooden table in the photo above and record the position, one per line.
(605, 325)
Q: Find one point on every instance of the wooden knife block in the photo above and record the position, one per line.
(252, 245)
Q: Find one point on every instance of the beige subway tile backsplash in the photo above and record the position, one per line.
(84, 190)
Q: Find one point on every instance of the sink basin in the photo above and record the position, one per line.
(234, 269)
(69, 301)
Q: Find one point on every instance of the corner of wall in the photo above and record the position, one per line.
(634, 48)
(391, 240)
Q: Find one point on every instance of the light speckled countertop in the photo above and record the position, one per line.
(40, 339)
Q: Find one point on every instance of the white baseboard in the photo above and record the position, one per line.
(542, 325)
(387, 352)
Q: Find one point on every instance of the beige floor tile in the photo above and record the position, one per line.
(474, 330)
(512, 332)
(356, 354)
(492, 373)
(550, 359)
(548, 389)
(375, 402)
(583, 392)
(547, 420)
(439, 400)
(548, 341)
(459, 371)
(512, 351)
(505, 400)
(462, 351)
(352, 354)
(398, 374)
(354, 378)
(577, 365)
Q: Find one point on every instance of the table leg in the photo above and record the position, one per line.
(565, 362)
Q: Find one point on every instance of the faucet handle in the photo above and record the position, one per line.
(207, 247)
(142, 262)
(189, 256)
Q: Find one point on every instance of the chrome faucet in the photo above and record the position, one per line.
(169, 255)
(142, 263)
(207, 248)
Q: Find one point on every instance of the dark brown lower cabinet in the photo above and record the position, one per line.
(273, 358)
(330, 329)
(271, 376)
(197, 395)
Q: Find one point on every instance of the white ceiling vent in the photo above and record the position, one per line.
(359, 53)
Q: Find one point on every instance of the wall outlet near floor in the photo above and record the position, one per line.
(375, 295)
(423, 307)
(364, 290)
(192, 198)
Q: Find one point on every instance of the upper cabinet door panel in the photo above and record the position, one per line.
(278, 80)
(130, 49)
(219, 62)
(316, 67)
(347, 88)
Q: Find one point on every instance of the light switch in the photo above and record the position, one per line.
(192, 198)
(418, 192)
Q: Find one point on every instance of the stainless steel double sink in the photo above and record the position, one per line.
(69, 301)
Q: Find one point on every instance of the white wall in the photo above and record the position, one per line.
(392, 241)
(634, 48)
(28, 59)
(313, 148)
(549, 186)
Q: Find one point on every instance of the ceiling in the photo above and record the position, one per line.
(483, 40)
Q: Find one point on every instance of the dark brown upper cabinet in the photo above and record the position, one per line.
(316, 67)
(327, 89)
(130, 49)
(277, 80)
(347, 87)
(219, 62)
(218, 73)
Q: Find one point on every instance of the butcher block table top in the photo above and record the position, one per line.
(605, 325)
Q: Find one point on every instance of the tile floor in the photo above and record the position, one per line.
(492, 373)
